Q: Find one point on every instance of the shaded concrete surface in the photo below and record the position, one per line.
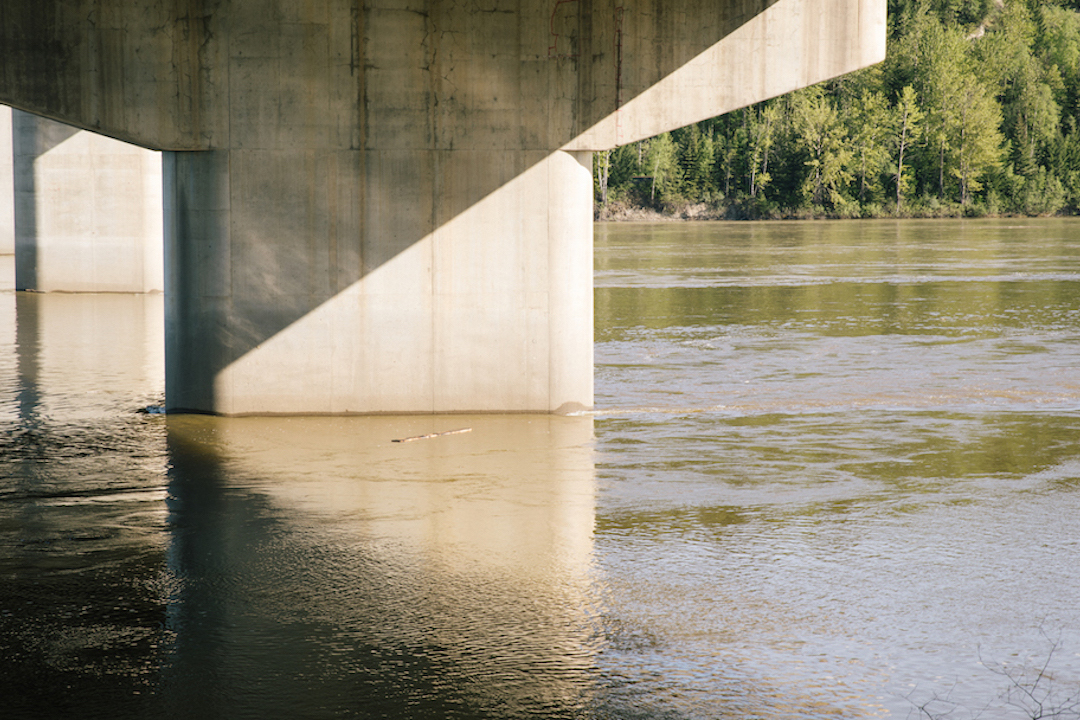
(391, 211)
(88, 211)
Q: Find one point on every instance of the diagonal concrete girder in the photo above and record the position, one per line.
(384, 205)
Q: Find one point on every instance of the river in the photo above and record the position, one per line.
(833, 472)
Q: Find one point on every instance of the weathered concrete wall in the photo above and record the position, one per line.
(7, 187)
(392, 206)
(130, 69)
(88, 211)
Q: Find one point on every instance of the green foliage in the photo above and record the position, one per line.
(870, 144)
(1043, 194)
(823, 140)
(696, 156)
(661, 164)
(975, 110)
(906, 126)
(975, 138)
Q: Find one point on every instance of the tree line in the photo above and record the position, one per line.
(973, 112)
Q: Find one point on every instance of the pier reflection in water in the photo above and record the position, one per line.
(194, 567)
(833, 473)
(322, 567)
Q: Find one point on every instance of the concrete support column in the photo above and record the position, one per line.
(360, 281)
(7, 203)
(380, 206)
(87, 211)
(7, 186)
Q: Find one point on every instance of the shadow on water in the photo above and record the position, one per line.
(81, 518)
(196, 567)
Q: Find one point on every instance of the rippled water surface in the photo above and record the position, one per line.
(833, 472)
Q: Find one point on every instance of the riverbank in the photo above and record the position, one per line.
(621, 211)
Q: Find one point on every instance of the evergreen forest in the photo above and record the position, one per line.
(974, 112)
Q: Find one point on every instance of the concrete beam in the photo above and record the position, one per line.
(390, 206)
(613, 73)
(765, 50)
(88, 211)
(131, 70)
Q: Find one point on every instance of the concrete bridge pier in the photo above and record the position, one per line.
(378, 281)
(7, 190)
(385, 206)
(87, 210)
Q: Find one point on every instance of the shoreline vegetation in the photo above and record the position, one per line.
(975, 112)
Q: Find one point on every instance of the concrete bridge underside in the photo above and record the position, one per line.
(385, 205)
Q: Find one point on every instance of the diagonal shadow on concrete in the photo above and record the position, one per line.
(316, 145)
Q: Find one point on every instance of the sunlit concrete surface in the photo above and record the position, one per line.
(88, 211)
(7, 187)
(378, 208)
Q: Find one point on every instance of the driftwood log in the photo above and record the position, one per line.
(432, 435)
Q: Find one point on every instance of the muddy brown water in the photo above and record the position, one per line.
(834, 471)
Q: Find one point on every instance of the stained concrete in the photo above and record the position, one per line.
(88, 211)
(385, 205)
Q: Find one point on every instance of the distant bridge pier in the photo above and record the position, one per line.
(372, 206)
(7, 187)
(87, 210)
